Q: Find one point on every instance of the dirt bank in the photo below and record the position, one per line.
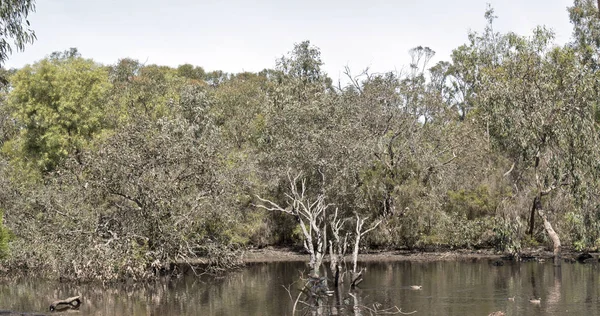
(286, 254)
(540, 254)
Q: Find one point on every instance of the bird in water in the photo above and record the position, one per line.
(416, 287)
(535, 300)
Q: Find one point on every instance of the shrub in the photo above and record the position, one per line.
(4, 237)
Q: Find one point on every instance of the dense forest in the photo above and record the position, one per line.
(118, 171)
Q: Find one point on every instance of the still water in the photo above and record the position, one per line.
(448, 288)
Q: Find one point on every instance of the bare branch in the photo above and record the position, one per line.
(510, 170)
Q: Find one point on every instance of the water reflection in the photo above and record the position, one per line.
(448, 288)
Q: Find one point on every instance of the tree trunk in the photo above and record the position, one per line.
(553, 236)
(389, 208)
(537, 205)
(356, 276)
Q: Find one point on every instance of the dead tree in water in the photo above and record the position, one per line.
(337, 248)
(357, 275)
(313, 220)
(311, 216)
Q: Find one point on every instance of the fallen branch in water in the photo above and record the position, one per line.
(69, 303)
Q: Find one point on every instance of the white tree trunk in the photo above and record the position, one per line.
(553, 236)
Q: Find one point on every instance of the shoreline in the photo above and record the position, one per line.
(272, 254)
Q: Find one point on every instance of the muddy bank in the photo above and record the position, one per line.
(285, 254)
(266, 255)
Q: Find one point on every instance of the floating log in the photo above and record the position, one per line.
(69, 303)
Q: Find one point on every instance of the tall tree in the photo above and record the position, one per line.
(586, 31)
(58, 104)
(539, 104)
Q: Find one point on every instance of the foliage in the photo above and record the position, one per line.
(59, 106)
(15, 26)
(472, 203)
(147, 167)
(4, 237)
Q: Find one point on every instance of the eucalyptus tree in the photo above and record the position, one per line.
(191, 72)
(539, 105)
(306, 126)
(586, 31)
(15, 26)
(464, 72)
(138, 89)
(408, 136)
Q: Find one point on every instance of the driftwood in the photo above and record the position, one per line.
(69, 303)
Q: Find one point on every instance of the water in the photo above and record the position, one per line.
(449, 288)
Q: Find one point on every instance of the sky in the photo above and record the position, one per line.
(239, 35)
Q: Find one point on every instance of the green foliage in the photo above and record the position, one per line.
(586, 31)
(472, 203)
(191, 72)
(143, 90)
(581, 230)
(59, 105)
(508, 235)
(4, 238)
(146, 165)
(15, 26)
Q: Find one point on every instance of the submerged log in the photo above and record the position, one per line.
(69, 303)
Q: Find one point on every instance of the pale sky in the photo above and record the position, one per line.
(239, 35)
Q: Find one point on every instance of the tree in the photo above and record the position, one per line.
(303, 66)
(586, 31)
(4, 236)
(15, 26)
(312, 218)
(191, 72)
(484, 49)
(137, 89)
(539, 105)
(58, 103)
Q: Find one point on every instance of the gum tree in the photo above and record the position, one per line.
(15, 26)
(539, 104)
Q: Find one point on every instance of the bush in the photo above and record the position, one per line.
(4, 237)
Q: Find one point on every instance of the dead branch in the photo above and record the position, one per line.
(357, 276)
(69, 303)
(510, 170)
(337, 250)
(311, 216)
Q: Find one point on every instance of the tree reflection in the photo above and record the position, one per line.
(315, 298)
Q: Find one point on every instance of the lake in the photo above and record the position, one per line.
(448, 288)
